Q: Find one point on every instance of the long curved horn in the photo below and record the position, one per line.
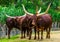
(9, 16)
(46, 9)
(39, 10)
(25, 10)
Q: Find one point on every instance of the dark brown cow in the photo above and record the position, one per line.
(31, 21)
(13, 22)
(25, 26)
(40, 22)
(19, 22)
(44, 22)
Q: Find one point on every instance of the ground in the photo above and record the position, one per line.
(55, 37)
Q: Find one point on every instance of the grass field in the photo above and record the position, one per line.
(55, 37)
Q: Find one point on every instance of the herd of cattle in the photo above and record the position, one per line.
(29, 21)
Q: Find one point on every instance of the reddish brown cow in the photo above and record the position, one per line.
(31, 21)
(30, 18)
(40, 22)
(20, 22)
(44, 22)
(14, 22)
(25, 26)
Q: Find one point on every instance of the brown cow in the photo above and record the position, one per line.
(26, 22)
(41, 22)
(44, 22)
(31, 20)
(14, 22)
(19, 22)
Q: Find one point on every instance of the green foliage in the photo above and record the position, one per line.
(12, 11)
(14, 8)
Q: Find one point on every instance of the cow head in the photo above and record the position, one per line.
(32, 17)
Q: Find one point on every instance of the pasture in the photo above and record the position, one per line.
(55, 37)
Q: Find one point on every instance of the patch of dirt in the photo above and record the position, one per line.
(55, 37)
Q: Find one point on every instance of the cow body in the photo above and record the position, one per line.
(14, 23)
(44, 22)
(22, 23)
(27, 25)
(39, 22)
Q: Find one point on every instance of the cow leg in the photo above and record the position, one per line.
(27, 32)
(6, 31)
(38, 34)
(9, 33)
(21, 34)
(35, 33)
(48, 33)
(30, 32)
(24, 33)
(41, 34)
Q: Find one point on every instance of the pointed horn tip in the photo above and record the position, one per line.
(47, 9)
(39, 10)
(22, 4)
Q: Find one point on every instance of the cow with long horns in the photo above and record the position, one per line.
(31, 21)
(29, 18)
(14, 22)
(42, 21)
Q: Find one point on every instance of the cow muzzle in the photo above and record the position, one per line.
(33, 23)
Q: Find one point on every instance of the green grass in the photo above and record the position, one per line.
(8, 40)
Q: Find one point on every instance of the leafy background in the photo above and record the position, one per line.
(14, 8)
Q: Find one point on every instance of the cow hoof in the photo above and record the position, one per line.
(27, 35)
(35, 38)
(48, 37)
(38, 38)
(41, 38)
(21, 37)
(29, 38)
(24, 37)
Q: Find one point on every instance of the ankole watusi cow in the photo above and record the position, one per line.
(14, 22)
(42, 21)
(31, 21)
(22, 23)
(30, 17)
